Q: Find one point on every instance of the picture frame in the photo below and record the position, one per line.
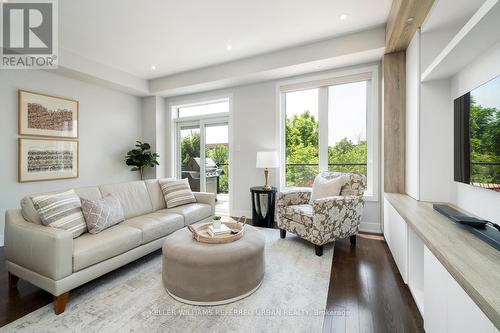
(47, 116)
(47, 159)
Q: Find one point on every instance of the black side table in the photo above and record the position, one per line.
(263, 216)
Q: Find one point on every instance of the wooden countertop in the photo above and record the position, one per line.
(474, 264)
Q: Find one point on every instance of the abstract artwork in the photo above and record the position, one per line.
(44, 115)
(47, 159)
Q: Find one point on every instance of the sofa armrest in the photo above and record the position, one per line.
(41, 249)
(344, 212)
(206, 198)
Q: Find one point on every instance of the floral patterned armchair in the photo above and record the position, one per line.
(326, 219)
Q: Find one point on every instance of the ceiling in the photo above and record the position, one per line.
(178, 36)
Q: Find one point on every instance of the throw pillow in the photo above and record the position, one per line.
(61, 210)
(323, 187)
(177, 192)
(102, 213)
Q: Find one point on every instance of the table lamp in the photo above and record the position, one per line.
(267, 160)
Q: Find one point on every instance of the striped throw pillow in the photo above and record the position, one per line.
(62, 210)
(176, 192)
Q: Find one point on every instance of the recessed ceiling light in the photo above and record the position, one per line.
(229, 47)
(153, 67)
(343, 17)
(410, 19)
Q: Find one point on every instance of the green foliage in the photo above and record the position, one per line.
(484, 143)
(190, 147)
(141, 158)
(302, 141)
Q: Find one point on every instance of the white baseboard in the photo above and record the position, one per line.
(1, 240)
(372, 227)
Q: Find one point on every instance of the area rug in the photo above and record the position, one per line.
(292, 298)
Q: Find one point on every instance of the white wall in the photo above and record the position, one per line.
(110, 122)
(481, 202)
(255, 128)
(412, 172)
(154, 132)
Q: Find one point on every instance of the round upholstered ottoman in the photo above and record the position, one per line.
(212, 274)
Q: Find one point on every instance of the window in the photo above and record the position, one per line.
(302, 137)
(347, 127)
(329, 124)
(203, 109)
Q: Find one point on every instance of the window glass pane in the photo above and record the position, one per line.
(201, 110)
(217, 151)
(302, 137)
(190, 155)
(347, 127)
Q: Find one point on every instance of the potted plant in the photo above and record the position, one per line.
(216, 222)
(141, 158)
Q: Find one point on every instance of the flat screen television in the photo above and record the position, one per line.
(477, 136)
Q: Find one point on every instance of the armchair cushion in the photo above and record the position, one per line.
(324, 187)
(300, 213)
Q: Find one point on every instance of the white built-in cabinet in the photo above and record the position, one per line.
(443, 304)
(448, 307)
(395, 232)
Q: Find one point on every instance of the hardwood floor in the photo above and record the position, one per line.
(366, 292)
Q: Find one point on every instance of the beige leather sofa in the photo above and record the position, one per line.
(51, 259)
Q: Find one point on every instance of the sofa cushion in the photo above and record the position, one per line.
(193, 212)
(156, 225)
(102, 214)
(89, 249)
(31, 215)
(302, 214)
(62, 211)
(133, 196)
(177, 192)
(155, 193)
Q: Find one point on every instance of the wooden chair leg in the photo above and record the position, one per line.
(353, 239)
(282, 233)
(12, 280)
(60, 303)
(319, 250)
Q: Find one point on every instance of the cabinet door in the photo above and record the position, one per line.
(463, 314)
(434, 294)
(396, 230)
(447, 306)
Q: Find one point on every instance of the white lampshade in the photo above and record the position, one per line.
(267, 159)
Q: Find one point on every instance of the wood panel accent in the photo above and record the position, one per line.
(474, 264)
(394, 121)
(405, 17)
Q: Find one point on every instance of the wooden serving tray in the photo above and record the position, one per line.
(201, 234)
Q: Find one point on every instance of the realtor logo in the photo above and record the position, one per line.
(29, 34)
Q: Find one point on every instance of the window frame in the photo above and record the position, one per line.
(322, 82)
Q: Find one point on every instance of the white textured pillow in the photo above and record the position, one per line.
(102, 213)
(323, 187)
(177, 192)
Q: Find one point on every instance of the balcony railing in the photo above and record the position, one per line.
(302, 174)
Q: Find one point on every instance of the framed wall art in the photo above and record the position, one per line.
(47, 159)
(50, 116)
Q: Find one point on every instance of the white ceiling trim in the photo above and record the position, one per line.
(356, 48)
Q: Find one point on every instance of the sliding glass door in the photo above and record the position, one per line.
(203, 157)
